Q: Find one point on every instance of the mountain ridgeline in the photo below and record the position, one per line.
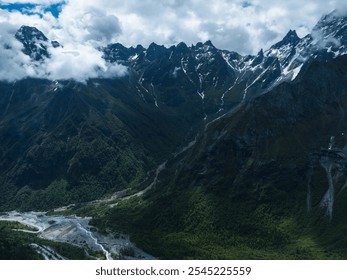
(264, 174)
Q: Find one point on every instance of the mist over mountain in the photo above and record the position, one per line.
(228, 155)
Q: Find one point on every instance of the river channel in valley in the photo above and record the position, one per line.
(76, 231)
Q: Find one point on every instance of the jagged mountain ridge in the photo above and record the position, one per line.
(254, 74)
(167, 97)
(221, 78)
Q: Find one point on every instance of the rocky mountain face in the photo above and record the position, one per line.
(219, 75)
(268, 178)
(35, 43)
(267, 165)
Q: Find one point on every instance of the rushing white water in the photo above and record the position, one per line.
(96, 242)
(74, 230)
(333, 161)
(331, 143)
(328, 198)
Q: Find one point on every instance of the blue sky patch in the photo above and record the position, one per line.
(55, 9)
(30, 9)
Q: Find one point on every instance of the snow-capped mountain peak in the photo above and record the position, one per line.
(35, 43)
(26, 34)
(210, 71)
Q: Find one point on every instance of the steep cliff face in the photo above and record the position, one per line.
(283, 127)
(267, 179)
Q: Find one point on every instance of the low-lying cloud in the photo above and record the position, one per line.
(84, 26)
(242, 26)
(73, 61)
(81, 63)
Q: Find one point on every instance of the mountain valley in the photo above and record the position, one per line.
(196, 152)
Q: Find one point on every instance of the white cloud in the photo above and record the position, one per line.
(88, 24)
(81, 63)
(13, 62)
(234, 25)
(238, 25)
(132, 22)
(75, 61)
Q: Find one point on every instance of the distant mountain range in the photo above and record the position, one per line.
(254, 145)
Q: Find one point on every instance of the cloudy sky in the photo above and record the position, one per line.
(244, 26)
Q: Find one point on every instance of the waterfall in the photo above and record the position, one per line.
(328, 199)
